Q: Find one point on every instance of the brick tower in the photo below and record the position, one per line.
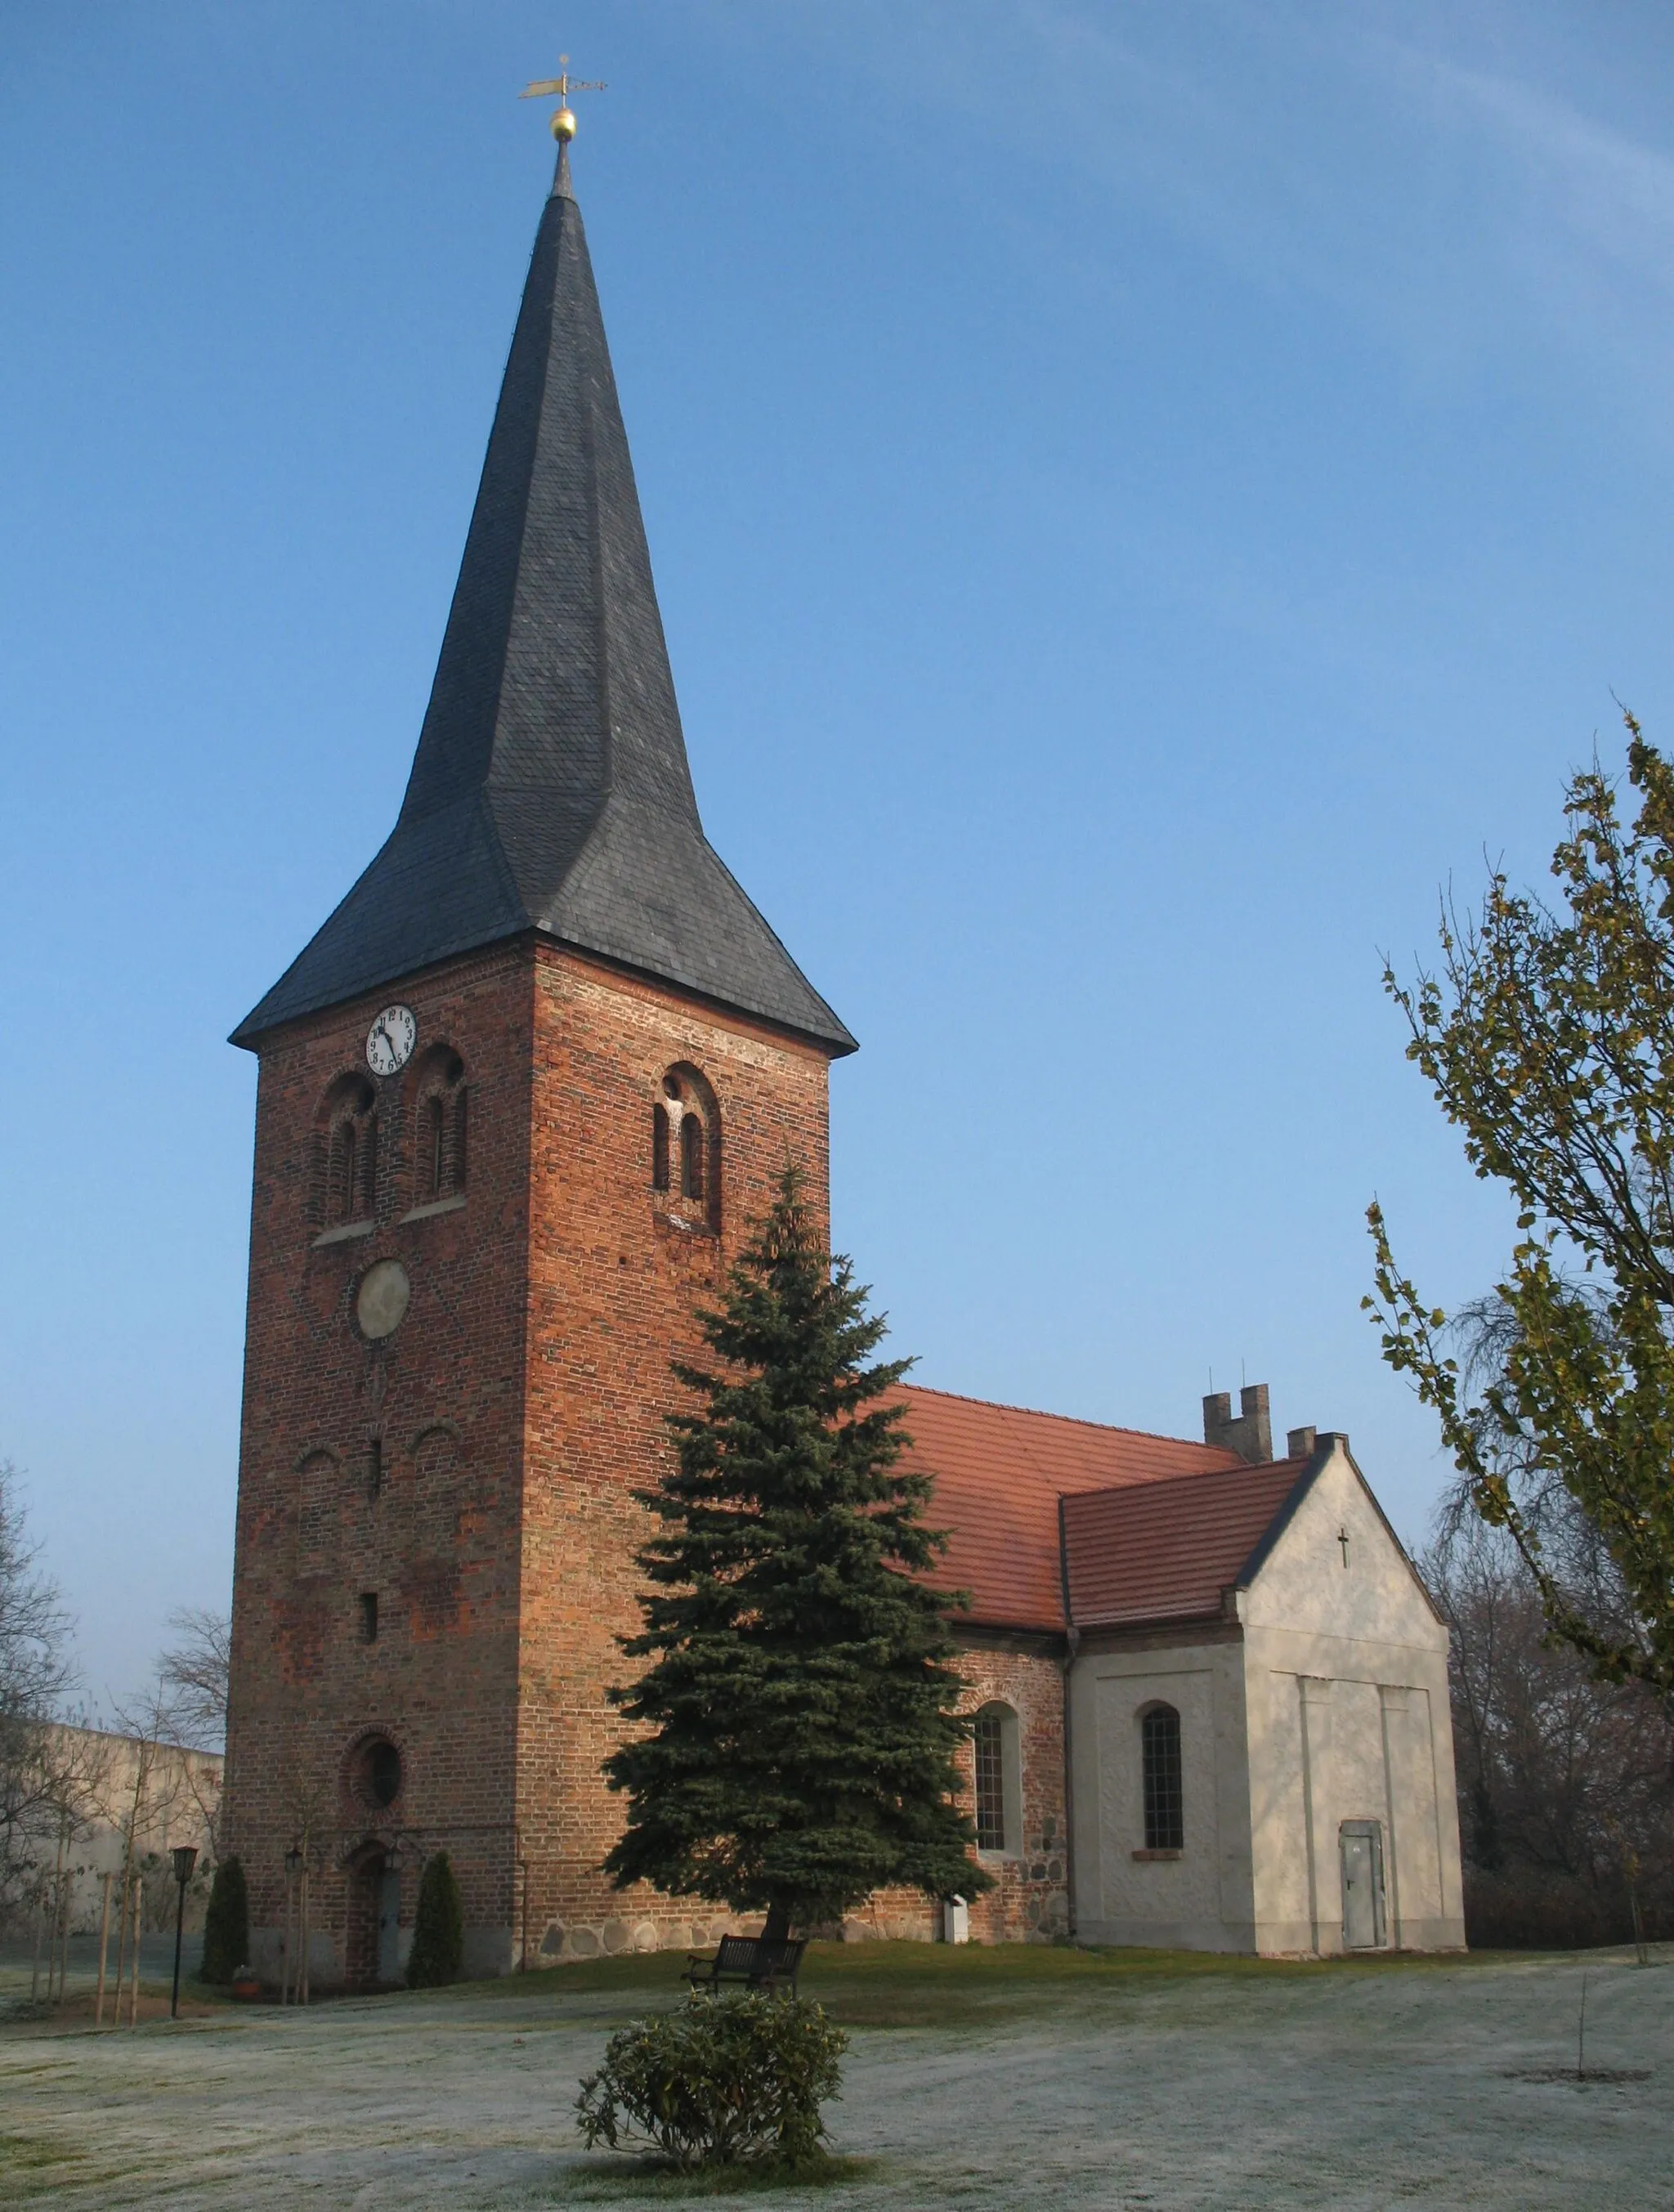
(518, 1100)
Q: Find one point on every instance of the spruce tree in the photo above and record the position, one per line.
(226, 1925)
(438, 1955)
(799, 1707)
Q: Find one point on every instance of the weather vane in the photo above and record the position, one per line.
(560, 88)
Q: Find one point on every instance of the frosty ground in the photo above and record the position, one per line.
(1021, 2077)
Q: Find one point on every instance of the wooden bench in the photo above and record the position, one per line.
(751, 1959)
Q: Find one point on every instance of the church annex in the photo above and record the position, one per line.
(517, 1099)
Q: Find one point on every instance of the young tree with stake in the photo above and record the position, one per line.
(799, 1705)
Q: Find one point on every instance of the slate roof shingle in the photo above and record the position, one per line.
(550, 790)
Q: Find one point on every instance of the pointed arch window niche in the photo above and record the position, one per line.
(686, 1150)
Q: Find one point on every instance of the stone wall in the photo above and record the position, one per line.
(161, 1794)
(1346, 1685)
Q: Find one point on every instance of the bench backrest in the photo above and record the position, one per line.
(753, 1955)
(736, 1954)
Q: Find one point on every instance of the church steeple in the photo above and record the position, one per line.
(550, 791)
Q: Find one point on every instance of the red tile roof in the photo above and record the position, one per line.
(1166, 1551)
(999, 1474)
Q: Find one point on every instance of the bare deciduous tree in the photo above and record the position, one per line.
(41, 1786)
(1566, 1781)
(192, 1699)
(193, 1671)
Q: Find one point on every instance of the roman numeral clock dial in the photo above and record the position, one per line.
(390, 1039)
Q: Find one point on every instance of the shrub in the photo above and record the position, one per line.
(226, 1925)
(742, 2075)
(438, 1954)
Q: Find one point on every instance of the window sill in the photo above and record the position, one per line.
(1159, 1855)
(343, 1232)
(687, 1228)
(450, 1204)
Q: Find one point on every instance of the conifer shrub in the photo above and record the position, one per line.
(719, 2080)
(438, 1955)
(227, 1925)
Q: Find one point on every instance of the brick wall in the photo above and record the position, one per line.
(513, 1410)
(1030, 1900)
(615, 1272)
(441, 1399)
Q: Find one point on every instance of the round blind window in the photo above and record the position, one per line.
(380, 1304)
(380, 1772)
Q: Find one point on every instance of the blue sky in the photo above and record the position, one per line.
(1141, 494)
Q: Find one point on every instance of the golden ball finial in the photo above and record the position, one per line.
(563, 125)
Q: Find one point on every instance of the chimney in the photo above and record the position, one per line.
(1300, 1442)
(1251, 1436)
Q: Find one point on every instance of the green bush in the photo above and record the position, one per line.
(438, 1954)
(227, 1925)
(742, 2075)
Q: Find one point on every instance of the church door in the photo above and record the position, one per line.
(363, 1958)
(1362, 1843)
(389, 1926)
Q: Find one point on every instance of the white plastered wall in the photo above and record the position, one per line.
(1345, 1687)
(1201, 1900)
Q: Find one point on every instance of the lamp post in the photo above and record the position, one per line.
(185, 1858)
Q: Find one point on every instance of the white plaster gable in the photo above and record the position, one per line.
(1303, 1586)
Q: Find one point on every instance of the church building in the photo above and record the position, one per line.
(518, 1100)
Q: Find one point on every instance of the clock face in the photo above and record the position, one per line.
(389, 1040)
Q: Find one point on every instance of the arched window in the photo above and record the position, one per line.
(693, 1145)
(439, 1094)
(659, 1146)
(374, 1772)
(1165, 1803)
(998, 1771)
(686, 1145)
(433, 1137)
(348, 1133)
(345, 1183)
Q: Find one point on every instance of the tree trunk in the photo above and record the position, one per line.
(778, 1930)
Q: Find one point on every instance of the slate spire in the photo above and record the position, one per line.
(550, 790)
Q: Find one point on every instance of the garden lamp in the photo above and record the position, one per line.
(185, 1858)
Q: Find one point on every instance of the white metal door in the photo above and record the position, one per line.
(1362, 1843)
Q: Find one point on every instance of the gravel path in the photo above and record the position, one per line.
(1408, 2086)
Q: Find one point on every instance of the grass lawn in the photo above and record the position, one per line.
(1017, 2077)
(965, 1986)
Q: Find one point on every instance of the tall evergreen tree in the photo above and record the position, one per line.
(438, 1955)
(227, 1925)
(799, 1707)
